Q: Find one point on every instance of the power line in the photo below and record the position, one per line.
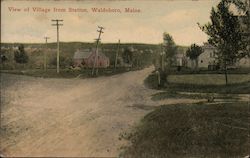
(45, 53)
(96, 49)
(58, 55)
(116, 55)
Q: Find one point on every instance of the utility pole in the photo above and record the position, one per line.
(116, 55)
(45, 53)
(96, 49)
(162, 57)
(58, 55)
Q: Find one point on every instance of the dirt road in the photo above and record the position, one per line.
(71, 117)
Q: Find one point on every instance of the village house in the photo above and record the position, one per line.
(86, 58)
(180, 57)
(207, 59)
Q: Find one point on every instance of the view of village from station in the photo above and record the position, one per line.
(170, 80)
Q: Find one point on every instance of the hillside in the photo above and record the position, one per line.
(146, 53)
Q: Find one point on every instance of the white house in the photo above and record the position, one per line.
(207, 59)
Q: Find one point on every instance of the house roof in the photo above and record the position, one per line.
(81, 54)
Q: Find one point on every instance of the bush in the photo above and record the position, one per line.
(20, 55)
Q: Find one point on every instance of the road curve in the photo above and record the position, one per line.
(71, 117)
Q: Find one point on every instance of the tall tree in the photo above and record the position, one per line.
(20, 55)
(169, 48)
(243, 7)
(193, 53)
(225, 34)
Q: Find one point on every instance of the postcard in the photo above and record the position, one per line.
(125, 78)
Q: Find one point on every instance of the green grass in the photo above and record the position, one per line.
(207, 96)
(192, 130)
(176, 95)
(195, 86)
(208, 79)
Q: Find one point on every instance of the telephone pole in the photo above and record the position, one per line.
(116, 55)
(45, 53)
(96, 49)
(58, 55)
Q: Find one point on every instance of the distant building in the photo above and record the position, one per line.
(86, 58)
(207, 59)
(179, 57)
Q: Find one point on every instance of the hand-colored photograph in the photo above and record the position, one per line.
(125, 78)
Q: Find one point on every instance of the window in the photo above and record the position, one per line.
(201, 61)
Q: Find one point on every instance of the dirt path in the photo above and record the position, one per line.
(71, 117)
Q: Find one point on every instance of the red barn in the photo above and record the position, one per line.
(86, 58)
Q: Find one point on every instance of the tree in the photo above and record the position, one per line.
(243, 7)
(169, 48)
(225, 34)
(3, 57)
(128, 55)
(193, 53)
(20, 55)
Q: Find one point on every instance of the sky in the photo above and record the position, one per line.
(177, 17)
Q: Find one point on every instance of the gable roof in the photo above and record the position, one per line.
(86, 53)
(81, 54)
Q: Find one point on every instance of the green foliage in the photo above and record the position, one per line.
(169, 48)
(244, 9)
(192, 83)
(64, 61)
(35, 51)
(194, 51)
(128, 55)
(20, 55)
(225, 34)
(192, 130)
(3, 57)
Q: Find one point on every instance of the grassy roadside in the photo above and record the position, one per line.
(217, 129)
(192, 130)
(234, 88)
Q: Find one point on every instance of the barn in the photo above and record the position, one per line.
(86, 58)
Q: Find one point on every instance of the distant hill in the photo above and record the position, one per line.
(36, 51)
(68, 48)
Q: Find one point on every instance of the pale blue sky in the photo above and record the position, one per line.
(177, 17)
